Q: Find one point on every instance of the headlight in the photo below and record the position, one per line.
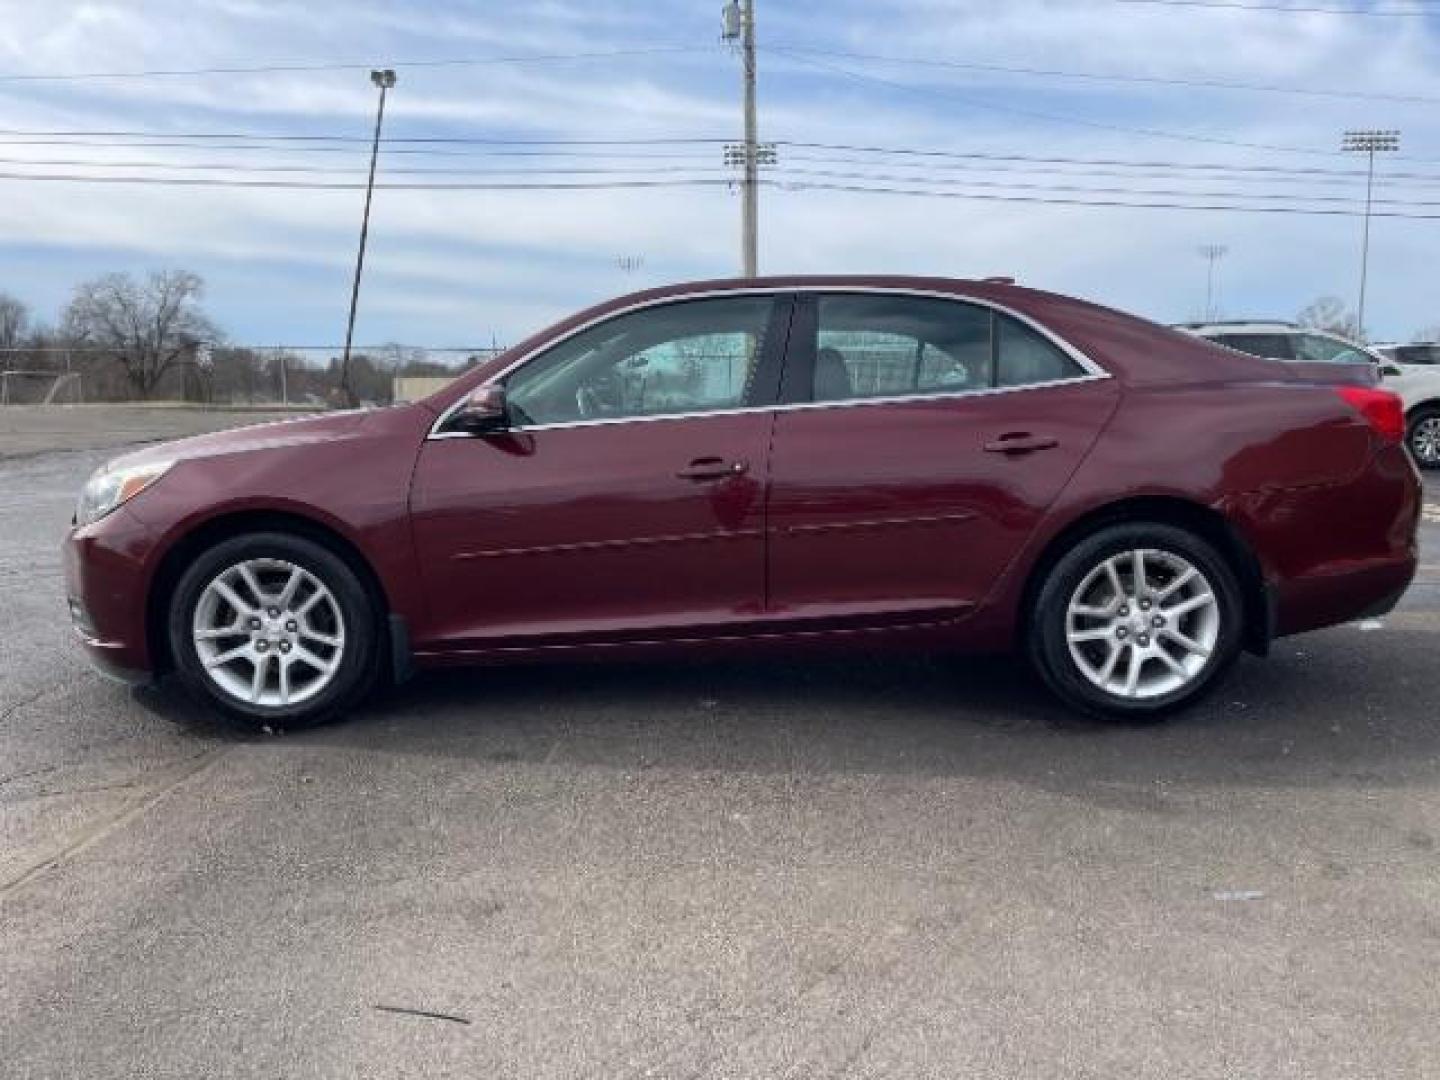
(113, 486)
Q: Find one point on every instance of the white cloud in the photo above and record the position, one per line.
(451, 265)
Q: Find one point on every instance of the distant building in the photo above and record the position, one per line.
(414, 387)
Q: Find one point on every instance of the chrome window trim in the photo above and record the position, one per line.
(1093, 370)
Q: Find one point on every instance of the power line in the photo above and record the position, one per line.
(1095, 76)
(907, 151)
(184, 181)
(890, 156)
(355, 150)
(306, 66)
(1106, 203)
(700, 148)
(460, 140)
(824, 182)
(1032, 114)
(215, 166)
(1238, 5)
(1010, 185)
(1176, 171)
(1027, 169)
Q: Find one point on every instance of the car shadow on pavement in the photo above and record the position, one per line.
(1334, 709)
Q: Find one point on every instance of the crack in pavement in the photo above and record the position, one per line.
(97, 832)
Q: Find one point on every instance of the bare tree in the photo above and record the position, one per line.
(151, 327)
(14, 318)
(1330, 313)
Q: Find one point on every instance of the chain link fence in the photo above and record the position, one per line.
(233, 376)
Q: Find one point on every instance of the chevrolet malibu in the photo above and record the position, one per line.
(856, 462)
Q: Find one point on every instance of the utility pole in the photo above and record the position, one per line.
(1211, 253)
(384, 80)
(739, 25)
(1367, 142)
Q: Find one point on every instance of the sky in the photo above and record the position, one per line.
(573, 92)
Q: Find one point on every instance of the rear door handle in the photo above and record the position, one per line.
(713, 468)
(1021, 442)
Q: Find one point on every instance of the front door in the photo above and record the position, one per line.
(626, 498)
(920, 442)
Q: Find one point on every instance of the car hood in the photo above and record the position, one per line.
(325, 427)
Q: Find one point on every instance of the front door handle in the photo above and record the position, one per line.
(713, 468)
(1021, 442)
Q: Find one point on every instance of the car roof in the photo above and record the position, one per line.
(1246, 326)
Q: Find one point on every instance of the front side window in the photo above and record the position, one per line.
(690, 356)
(870, 346)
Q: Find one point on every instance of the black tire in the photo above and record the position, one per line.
(1048, 646)
(1425, 459)
(358, 657)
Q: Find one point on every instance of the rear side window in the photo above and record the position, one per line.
(1024, 357)
(1319, 349)
(1272, 346)
(1416, 354)
(880, 346)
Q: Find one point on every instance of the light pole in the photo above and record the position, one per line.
(1367, 142)
(384, 79)
(1211, 253)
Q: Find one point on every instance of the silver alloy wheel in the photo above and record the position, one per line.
(268, 633)
(1143, 623)
(1425, 441)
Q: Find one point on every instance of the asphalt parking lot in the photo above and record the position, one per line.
(862, 867)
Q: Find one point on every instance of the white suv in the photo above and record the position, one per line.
(1418, 384)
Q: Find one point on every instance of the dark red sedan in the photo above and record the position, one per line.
(915, 462)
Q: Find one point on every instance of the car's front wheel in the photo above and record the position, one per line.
(273, 629)
(1423, 438)
(1136, 620)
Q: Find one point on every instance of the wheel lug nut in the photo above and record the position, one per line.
(1144, 639)
(291, 626)
(1124, 609)
(1158, 620)
(274, 613)
(1121, 632)
(284, 646)
(254, 624)
(261, 645)
(1144, 605)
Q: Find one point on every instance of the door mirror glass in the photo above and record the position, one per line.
(484, 410)
(1390, 369)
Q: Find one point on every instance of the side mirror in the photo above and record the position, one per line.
(1390, 369)
(483, 411)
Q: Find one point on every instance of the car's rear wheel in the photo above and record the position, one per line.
(1423, 438)
(275, 630)
(1136, 621)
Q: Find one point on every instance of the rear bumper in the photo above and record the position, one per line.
(105, 581)
(1342, 552)
(1359, 592)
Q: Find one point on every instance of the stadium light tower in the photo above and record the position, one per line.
(1368, 142)
(385, 80)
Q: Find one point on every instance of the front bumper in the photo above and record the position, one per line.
(106, 578)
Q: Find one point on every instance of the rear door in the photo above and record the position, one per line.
(919, 441)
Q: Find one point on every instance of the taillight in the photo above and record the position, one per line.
(1380, 408)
